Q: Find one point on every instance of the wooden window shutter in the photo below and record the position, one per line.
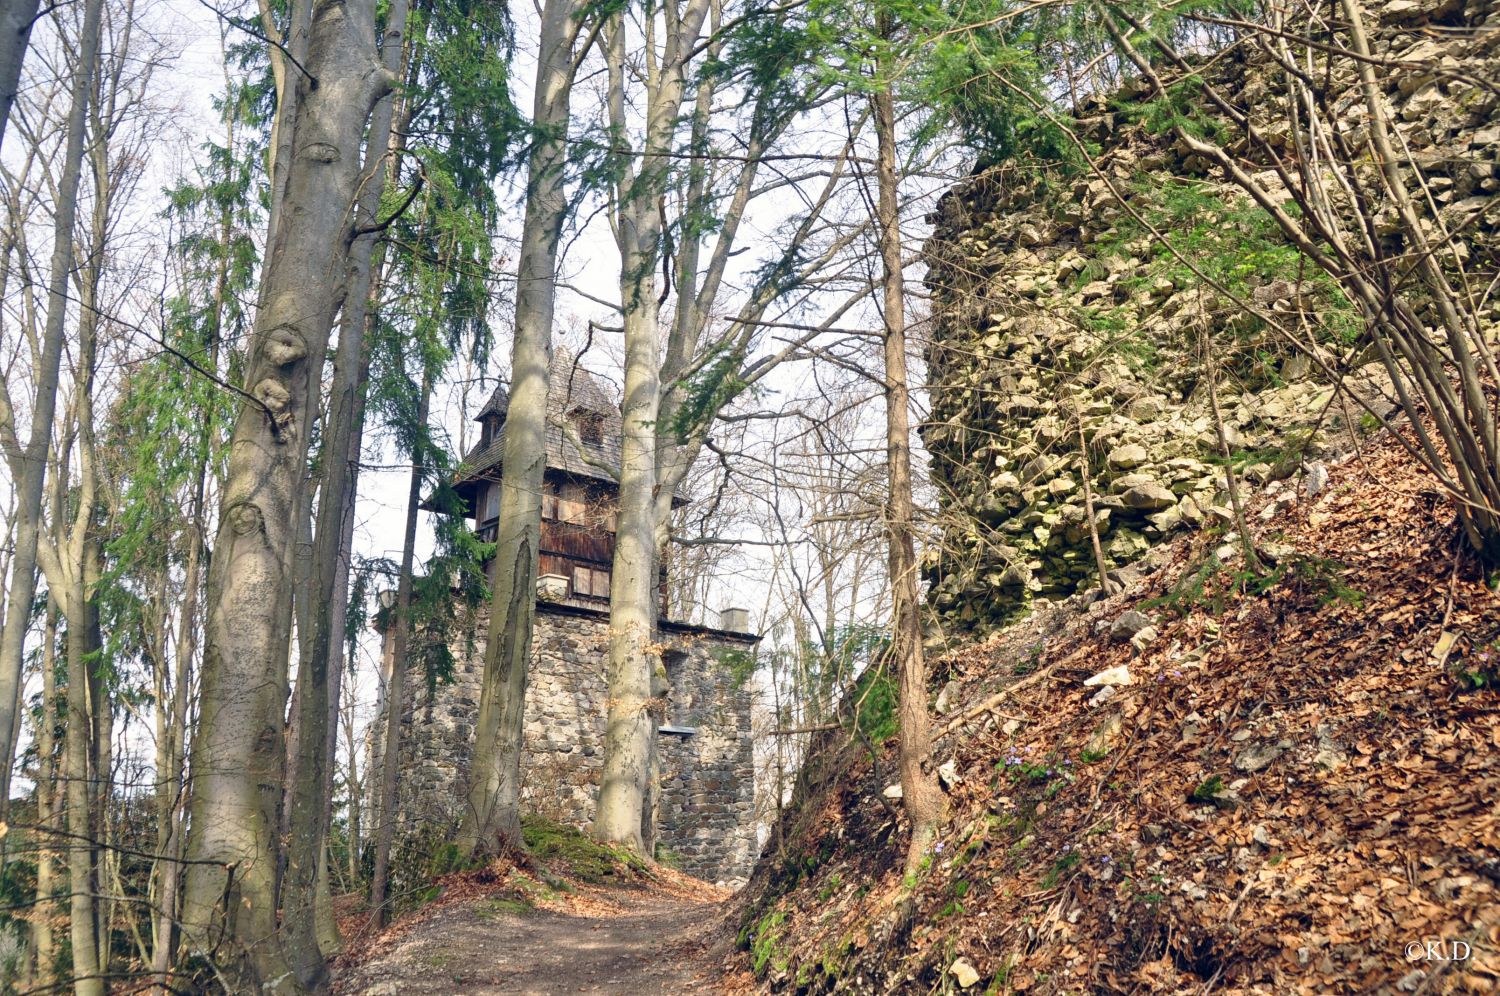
(581, 585)
(601, 584)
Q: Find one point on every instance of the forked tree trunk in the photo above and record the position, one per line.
(30, 469)
(920, 793)
(229, 906)
(493, 814)
(341, 445)
(633, 589)
(74, 569)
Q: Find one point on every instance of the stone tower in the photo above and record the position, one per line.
(705, 799)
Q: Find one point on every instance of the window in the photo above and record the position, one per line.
(569, 510)
(590, 428)
(590, 582)
(549, 507)
(490, 508)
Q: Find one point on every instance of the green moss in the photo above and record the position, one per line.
(494, 909)
(1208, 790)
(583, 857)
(763, 942)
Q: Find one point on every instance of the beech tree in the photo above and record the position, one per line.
(492, 818)
(684, 361)
(230, 905)
(16, 21)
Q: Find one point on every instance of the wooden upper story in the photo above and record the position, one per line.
(579, 495)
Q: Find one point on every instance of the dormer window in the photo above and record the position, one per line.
(490, 431)
(590, 427)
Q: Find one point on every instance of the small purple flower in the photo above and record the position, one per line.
(1105, 860)
(937, 848)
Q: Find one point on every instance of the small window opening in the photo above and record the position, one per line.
(590, 428)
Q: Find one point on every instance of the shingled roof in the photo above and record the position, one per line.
(572, 389)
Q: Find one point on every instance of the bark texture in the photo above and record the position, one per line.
(493, 817)
(237, 758)
(629, 724)
(920, 792)
(16, 19)
(316, 681)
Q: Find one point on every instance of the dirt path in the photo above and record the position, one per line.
(605, 941)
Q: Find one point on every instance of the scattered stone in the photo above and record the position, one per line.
(1103, 738)
(1316, 479)
(1102, 696)
(1110, 676)
(893, 792)
(964, 973)
(947, 698)
(1143, 639)
(1127, 625)
(1256, 757)
(948, 773)
(1128, 457)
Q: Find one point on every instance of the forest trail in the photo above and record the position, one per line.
(597, 940)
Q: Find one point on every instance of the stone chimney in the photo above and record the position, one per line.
(735, 620)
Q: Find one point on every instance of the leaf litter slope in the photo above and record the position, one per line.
(1302, 780)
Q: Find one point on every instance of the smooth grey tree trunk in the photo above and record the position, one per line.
(492, 818)
(229, 904)
(308, 810)
(28, 466)
(16, 19)
(633, 603)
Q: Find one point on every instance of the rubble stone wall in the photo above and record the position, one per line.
(706, 816)
(1069, 346)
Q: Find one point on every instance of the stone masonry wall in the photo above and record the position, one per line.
(707, 779)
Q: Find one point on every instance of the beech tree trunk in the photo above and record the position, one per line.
(308, 812)
(16, 19)
(633, 592)
(493, 815)
(229, 906)
(921, 795)
(44, 940)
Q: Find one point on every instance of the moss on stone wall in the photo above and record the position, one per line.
(1068, 342)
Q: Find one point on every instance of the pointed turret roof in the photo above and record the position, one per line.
(571, 389)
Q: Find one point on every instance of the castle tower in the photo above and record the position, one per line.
(705, 795)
